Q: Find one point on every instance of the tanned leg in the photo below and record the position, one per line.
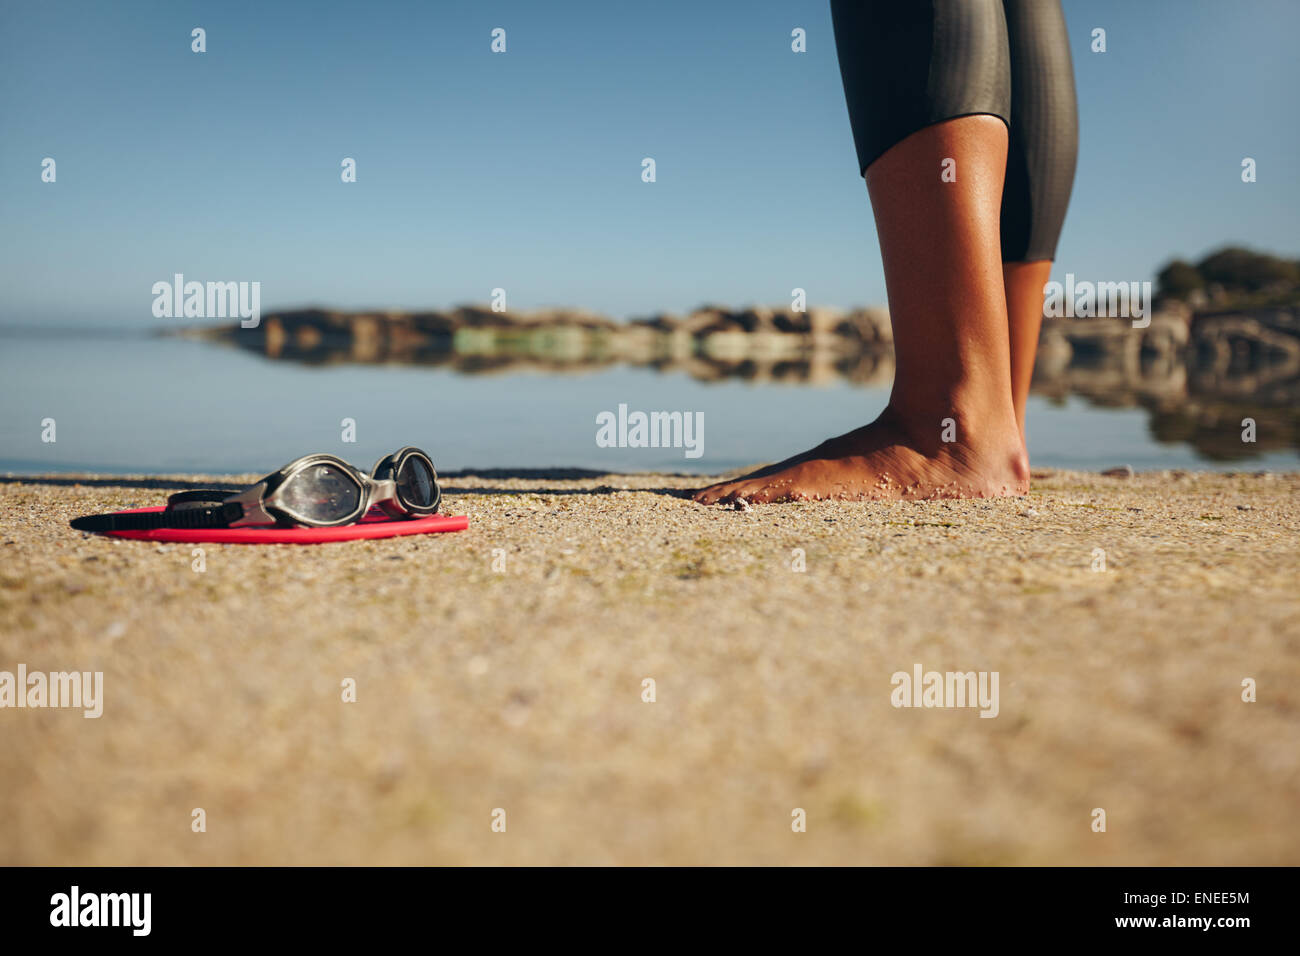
(943, 274)
(1024, 283)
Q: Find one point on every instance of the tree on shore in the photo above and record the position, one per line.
(1232, 276)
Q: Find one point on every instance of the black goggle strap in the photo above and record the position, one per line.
(215, 516)
(199, 497)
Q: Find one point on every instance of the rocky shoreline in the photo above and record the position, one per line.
(1260, 336)
(379, 336)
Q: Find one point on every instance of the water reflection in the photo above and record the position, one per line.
(1203, 379)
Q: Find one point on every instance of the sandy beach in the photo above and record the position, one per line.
(521, 688)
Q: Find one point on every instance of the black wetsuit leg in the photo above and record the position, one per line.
(908, 64)
(1044, 131)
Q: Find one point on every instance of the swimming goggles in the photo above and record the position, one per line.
(315, 491)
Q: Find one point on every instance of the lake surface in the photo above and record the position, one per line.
(137, 403)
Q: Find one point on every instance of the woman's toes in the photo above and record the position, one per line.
(755, 493)
(725, 493)
(732, 493)
(711, 494)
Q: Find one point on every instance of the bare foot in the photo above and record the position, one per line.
(888, 460)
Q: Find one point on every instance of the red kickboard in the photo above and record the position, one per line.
(374, 525)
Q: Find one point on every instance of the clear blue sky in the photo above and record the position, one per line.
(522, 170)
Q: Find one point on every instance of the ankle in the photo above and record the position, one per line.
(935, 431)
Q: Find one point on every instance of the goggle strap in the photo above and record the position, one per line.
(218, 516)
(212, 496)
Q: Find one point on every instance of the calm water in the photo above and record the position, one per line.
(136, 403)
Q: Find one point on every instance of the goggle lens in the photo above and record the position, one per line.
(415, 484)
(322, 493)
